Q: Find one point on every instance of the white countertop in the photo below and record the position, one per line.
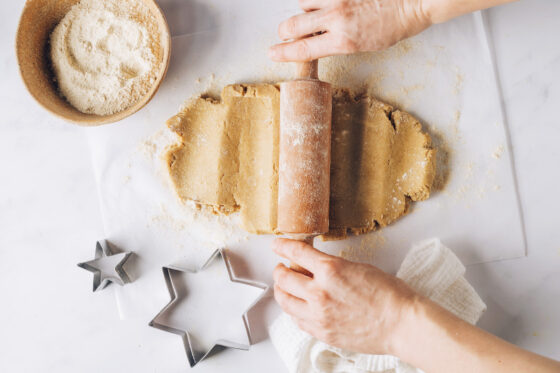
(49, 208)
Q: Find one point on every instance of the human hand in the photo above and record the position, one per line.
(347, 26)
(348, 305)
(362, 309)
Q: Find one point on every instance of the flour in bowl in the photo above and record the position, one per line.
(105, 55)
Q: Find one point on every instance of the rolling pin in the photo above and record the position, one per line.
(304, 156)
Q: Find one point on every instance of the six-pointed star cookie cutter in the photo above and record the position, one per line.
(194, 356)
(100, 278)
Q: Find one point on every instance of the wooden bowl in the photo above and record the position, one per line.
(38, 20)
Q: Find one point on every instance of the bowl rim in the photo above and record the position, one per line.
(93, 119)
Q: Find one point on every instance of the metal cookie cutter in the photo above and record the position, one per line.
(191, 341)
(102, 278)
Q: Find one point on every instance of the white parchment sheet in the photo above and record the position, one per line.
(444, 77)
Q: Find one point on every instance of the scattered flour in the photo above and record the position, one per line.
(498, 152)
(369, 246)
(184, 219)
(199, 223)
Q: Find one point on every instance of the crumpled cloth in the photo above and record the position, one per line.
(431, 269)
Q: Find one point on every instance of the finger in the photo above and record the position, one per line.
(290, 304)
(301, 25)
(299, 253)
(292, 282)
(308, 5)
(304, 49)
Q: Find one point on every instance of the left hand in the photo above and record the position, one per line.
(347, 26)
(348, 305)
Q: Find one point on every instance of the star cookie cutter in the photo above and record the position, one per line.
(196, 355)
(101, 279)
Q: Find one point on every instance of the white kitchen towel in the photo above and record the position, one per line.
(431, 269)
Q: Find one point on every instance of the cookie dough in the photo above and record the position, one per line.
(228, 156)
(227, 159)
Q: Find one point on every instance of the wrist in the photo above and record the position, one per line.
(411, 317)
(416, 16)
(436, 11)
(439, 11)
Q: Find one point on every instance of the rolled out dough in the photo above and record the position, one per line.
(227, 159)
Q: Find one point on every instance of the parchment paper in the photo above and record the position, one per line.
(444, 77)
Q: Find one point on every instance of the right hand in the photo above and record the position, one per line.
(347, 26)
(349, 305)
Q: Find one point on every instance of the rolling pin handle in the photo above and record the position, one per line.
(308, 70)
(294, 267)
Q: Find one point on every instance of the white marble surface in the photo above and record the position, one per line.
(48, 209)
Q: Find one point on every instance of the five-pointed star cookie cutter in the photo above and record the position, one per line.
(193, 355)
(100, 278)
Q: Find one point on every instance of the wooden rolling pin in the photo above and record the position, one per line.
(305, 156)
